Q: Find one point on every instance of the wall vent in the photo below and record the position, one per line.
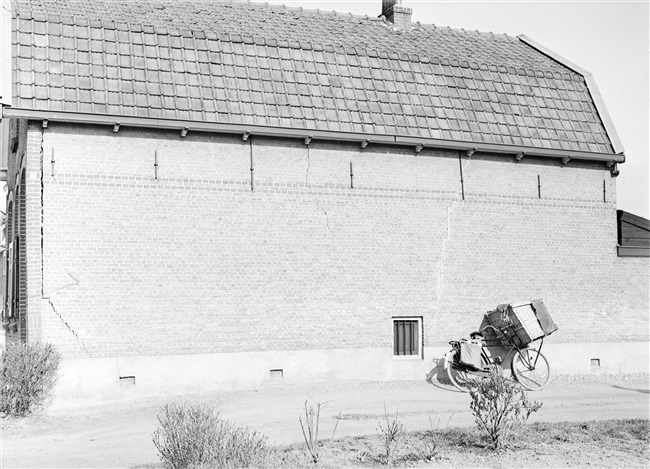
(276, 373)
(595, 362)
(127, 380)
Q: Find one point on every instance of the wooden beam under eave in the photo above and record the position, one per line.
(628, 251)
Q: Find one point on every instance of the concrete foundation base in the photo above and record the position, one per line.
(92, 380)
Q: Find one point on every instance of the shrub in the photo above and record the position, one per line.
(500, 407)
(28, 375)
(391, 431)
(193, 435)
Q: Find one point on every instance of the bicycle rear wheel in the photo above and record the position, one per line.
(530, 367)
(463, 380)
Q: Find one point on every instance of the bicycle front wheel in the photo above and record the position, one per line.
(531, 369)
(461, 379)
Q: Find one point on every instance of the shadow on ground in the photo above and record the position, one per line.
(438, 376)
(642, 391)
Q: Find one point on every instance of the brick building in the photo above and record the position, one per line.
(207, 195)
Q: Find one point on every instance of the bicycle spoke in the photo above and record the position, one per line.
(531, 369)
(532, 377)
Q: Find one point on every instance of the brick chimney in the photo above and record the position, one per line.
(397, 14)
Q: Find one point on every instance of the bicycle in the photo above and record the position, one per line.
(528, 365)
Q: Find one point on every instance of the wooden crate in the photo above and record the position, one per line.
(517, 322)
(526, 326)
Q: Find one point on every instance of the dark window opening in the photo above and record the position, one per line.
(406, 336)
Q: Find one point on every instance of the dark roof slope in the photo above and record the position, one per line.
(255, 64)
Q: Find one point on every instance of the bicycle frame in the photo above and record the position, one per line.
(527, 363)
(512, 350)
(515, 348)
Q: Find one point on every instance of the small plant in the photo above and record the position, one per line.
(193, 435)
(28, 375)
(433, 440)
(338, 419)
(500, 407)
(312, 420)
(391, 431)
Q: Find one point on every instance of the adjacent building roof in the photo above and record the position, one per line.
(633, 235)
(277, 67)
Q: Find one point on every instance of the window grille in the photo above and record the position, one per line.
(407, 334)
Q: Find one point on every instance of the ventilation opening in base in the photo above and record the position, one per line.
(127, 380)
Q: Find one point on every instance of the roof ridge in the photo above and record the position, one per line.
(372, 18)
(319, 12)
(315, 11)
(473, 32)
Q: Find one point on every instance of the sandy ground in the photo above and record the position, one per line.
(119, 434)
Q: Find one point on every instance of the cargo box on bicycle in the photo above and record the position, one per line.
(519, 323)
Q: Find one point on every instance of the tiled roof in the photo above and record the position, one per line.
(274, 66)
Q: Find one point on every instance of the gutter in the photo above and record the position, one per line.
(606, 119)
(185, 126)
(4, 145)
(5, 53)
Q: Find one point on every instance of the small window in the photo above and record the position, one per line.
(407, 336)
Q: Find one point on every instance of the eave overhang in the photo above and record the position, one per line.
(185, 126)
(599, 103)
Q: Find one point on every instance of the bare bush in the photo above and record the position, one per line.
(28, 375)
(392, 432)
(500, 407)
(194, 436)
(310, 429)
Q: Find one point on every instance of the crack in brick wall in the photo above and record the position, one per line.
(448, 237)
(74, 333)
(318, 205)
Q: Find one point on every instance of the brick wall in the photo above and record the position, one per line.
(195, 261)
(31, 247)
(23, 227)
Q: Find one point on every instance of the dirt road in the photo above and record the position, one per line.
(119, 434)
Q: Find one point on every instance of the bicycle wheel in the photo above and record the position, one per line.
(463, 380)
(531, 369)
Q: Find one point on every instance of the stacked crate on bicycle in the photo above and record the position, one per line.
(519, 324)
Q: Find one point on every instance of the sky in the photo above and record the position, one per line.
(608, 39)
